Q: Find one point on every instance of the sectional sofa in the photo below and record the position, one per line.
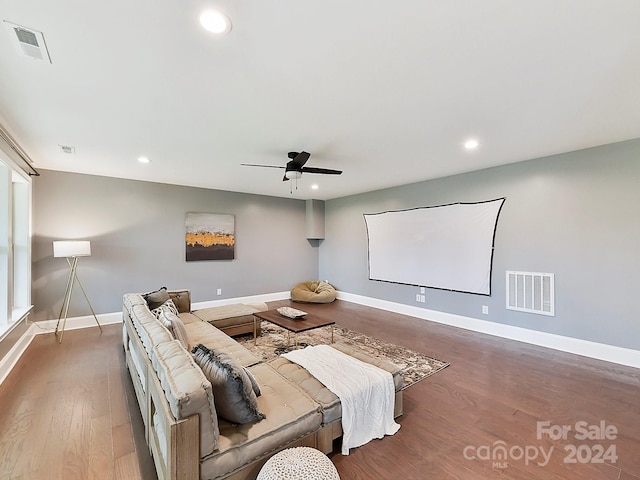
(186, 434)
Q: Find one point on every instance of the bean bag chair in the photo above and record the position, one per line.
(313, 292)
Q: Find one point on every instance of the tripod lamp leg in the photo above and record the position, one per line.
(73, 264)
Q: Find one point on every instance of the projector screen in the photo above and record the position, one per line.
(448, 247)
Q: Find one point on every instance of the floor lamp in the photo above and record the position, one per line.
(71, 250)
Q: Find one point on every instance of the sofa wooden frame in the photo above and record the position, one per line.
(182, 439)
(182, 444)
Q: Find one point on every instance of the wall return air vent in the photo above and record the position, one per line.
(28, 42)
(531, 292)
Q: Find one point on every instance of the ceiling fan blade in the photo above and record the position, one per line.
(299, 160)
(326, 171)
(257, 165)
(295, 167)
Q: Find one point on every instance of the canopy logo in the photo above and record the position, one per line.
(500, 454)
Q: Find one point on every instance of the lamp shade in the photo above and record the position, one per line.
(71, 248)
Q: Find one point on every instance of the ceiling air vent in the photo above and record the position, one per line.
(67, 149)
(29, 42)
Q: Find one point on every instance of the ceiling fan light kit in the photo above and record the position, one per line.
(295, 167)
(292, 175)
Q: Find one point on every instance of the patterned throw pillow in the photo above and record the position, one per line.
(167, 306)
(233, 393)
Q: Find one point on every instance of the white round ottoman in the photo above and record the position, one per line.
(299, 463)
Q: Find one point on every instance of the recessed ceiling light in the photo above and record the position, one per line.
(314, 187)
(471, 144)
(143, 160)
(215, 21)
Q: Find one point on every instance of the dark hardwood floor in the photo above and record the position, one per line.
(68, 412)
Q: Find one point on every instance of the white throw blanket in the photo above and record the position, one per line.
(366, 392)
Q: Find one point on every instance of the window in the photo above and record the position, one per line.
(15, 244)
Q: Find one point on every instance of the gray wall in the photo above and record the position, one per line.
(137, 239)
(576, 215)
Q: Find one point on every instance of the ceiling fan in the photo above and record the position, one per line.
(295, 167)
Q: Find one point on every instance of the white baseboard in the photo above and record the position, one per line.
(74, 323)
(11, 358)
(599, 351)
(48, 326)
(266, 297)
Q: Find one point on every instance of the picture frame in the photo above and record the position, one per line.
(209, 236)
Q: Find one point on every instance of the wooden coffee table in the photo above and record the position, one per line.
(308, 322)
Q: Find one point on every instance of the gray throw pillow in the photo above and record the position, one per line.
(233, 393)
(156, 298)
(254, 383)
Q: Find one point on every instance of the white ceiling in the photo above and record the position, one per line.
(385, 91)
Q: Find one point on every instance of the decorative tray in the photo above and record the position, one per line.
(291, 312)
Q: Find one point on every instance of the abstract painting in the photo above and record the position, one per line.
(210, 236)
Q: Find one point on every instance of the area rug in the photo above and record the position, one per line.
(415, 366)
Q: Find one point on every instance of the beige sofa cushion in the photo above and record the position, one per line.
(224, 316)
(290, 414)
(202, 332)
(131, 299)
(331, 407)
(187, 391)
(188, 318)
(229, 311)
(329, 401)
(150, 330)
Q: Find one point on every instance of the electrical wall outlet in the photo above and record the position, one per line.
(422, 299)
(422, 290)
(417, 297)
(219, 292)
(485, 309)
